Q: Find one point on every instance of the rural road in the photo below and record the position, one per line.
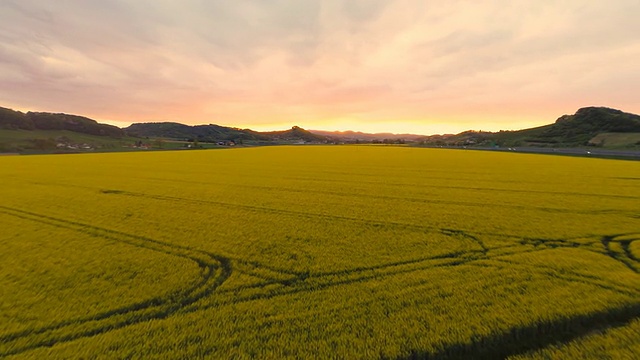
(628, 154)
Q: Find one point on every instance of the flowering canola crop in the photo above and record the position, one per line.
(359, 252)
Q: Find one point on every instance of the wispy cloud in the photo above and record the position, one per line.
(402, 64)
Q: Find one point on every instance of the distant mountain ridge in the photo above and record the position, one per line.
(213, 132)
(358, 135)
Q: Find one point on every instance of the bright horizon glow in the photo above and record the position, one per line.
(397, 66)
(415, 128)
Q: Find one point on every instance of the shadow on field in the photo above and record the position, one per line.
(525, 339)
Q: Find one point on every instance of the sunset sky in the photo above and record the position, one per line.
(370, 65)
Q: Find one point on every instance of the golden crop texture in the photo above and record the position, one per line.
(358, 252)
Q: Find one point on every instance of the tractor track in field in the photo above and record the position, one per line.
(512, 341)
(405, 184)
(418, 200)
(624, 255)
(473, 237)
(313, 215)
(217, 269)
(214, 270)
(292, 282)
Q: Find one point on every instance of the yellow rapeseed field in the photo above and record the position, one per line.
(358, 252)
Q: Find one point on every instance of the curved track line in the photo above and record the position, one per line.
(308, 282)
(625, 256)
(214, 271)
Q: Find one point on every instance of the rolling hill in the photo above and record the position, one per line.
(173, 130)
(46, 132)
(584, 128)
(16, 120)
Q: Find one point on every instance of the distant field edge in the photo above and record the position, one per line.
(575, 152)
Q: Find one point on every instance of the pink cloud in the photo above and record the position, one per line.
(320, 64)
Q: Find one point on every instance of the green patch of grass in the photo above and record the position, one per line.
(616, 140)
(33, 141)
